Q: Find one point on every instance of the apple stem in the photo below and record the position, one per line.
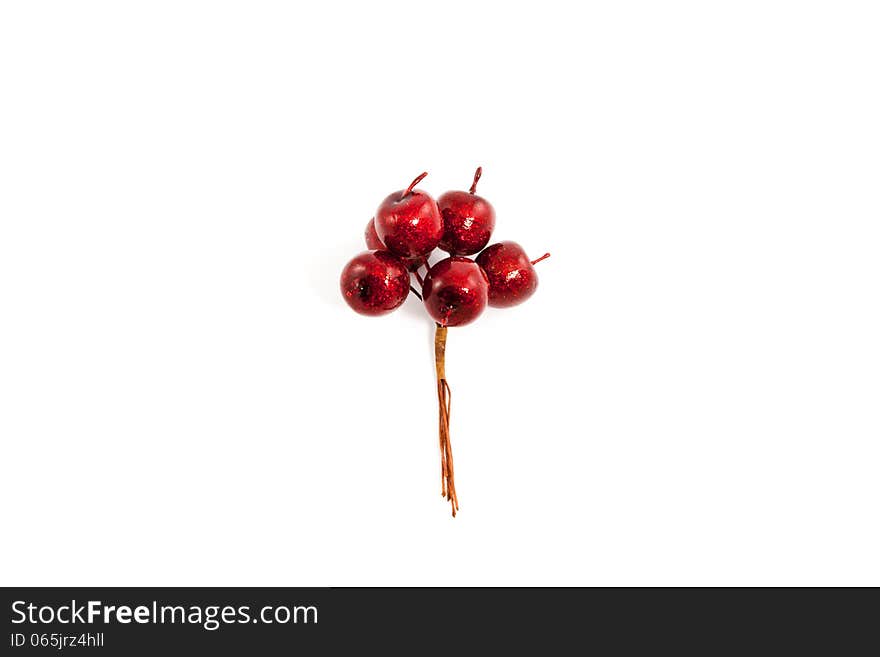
(414, 291)
(419, 278)
(546, 255)
(444, 396)
(413, 184)
(477, 174)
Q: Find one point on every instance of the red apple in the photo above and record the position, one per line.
(374, 282)
(455, 291)
(371, 238)
(512, 276)
(468, 220)
(408, 222)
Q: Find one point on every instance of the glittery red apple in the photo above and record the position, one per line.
(408, 222)
(512, 276)
(455, 292)
(468, 220)
(371, 238)
(374, 282)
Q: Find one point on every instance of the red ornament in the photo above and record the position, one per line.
(512, 276)
(456, 291)
(468, 220)
(374, 283)
(371, 238)
(408, 222)
(407, 227)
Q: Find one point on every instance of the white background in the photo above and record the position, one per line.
(691, 397)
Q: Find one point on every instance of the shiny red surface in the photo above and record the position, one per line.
(468, 222)
(373, 242)
(371, 238)
(512, 278)
(409, 225)
(455, 292)
(374, 282)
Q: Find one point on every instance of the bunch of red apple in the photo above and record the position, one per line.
(408, 226)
